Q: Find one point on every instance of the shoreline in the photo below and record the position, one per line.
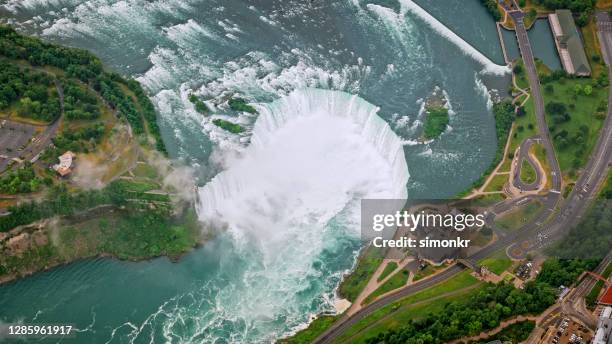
(173, 259)
(466, 193)
(27, 240)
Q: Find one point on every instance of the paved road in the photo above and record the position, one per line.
(596, 170)
(44, 139)
(573, 304)
(524, 156)
(571, 211)
(534, 85)
(23, 132)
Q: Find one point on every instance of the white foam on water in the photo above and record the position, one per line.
(396, 24)
(482, 89)
(14, 6)
(468, 49)
(304, 151)
(232, 36)
(229, 26)
(189, 32)
(114, 24)
(313, 155)
(267, 21)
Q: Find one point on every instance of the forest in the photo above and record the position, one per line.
(84, 66)
(32, 94)
(21, 180)
(592, 238)
(482, 311)
(60, 201)
(582, 8)
(487, 308)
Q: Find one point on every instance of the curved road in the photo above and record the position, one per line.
(569, 214)
(524, 156)
(534, 85)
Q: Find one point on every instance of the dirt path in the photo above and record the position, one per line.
(538, 319)
(494, 331)
(480, 191)
(373, 283)
(419, 303)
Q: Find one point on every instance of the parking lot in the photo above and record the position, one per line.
(14, 137)
(568, 331)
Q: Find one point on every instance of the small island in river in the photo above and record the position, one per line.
(436, 115)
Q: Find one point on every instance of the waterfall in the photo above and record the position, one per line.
(291, 201)
(357, 124)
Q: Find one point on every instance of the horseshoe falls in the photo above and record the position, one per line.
(338, 87)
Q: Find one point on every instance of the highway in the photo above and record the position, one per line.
(538, 231)
(596, 170)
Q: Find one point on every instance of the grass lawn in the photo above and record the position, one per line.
(389, 268)
(530, 18)
(497, 263)
(491, 198)
(528, 173)
(518, 217)
(127, 234)
(540, 153)
(497, 183)
(587, 110)
(583, 110)
(143, 170)
(398, 280)
(139, 186)
(524, 127)
(428, 271)
(13, 116)
(416, 305)
(354, 283)
(521, 78)
(308, 335)
(592, 47)
(403, 315)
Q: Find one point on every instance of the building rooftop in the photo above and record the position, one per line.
(568, 39)
(606, 298)
(65, 163)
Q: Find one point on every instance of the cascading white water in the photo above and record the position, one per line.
(293, 195)
(490, 66)
(318, 124)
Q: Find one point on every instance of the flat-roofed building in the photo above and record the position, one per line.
(569, 44)
(603, 334)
